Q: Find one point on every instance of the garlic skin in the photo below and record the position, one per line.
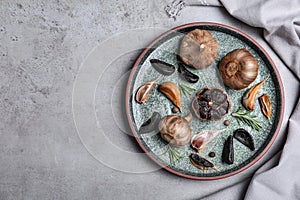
(175, 129)
(238, 69)
(201, 139)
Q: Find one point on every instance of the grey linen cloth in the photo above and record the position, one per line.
(279, 178)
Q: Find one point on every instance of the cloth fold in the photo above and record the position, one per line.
(280, 21)
(281, 181)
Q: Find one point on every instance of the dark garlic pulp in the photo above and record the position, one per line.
(244, 137)
(162, 67)
(211, 104)
(200, 162)
(228, 151)
(186, 74)
(151, 125)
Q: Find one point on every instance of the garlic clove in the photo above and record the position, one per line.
(201, 163)
(144, 91)
(201, 139)
(265, 106)
(171, 91)
(250, 95)
(162, 67)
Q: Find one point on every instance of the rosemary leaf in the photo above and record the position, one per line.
(186, 90)
(174, 155)
(247, 118)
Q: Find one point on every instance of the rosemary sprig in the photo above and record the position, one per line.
(246, 118)
(186, 90)
(174, 155)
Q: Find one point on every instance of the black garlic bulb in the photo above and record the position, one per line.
(238, 69)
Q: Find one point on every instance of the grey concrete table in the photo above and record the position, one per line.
(42, 155)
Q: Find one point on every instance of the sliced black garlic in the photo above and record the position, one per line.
(244, 137)
(162, 67)
(186, 74)
(211, 104)
(201, 162)
(228, 151)
(151, 124)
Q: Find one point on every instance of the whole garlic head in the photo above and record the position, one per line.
(198, 49)
(175, 129)
(238, 69)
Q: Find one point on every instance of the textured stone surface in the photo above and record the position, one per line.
(42, 44)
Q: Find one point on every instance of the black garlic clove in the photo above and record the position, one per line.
(245, 138)
(200, 162)
(151, 124)
(186, 74)
(162, 67)
(228, 151)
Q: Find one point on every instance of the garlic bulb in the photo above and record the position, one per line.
(175, 129)
(198, 49)
(238, 69)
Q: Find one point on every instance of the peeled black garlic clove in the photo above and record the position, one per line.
(186, 74)
(228, 151)
(151, 124)
(162, 67)
(244, 137)
(201, 163)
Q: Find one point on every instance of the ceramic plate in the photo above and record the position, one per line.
(165, 48)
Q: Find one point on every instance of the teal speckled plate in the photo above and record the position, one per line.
(165, 48)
